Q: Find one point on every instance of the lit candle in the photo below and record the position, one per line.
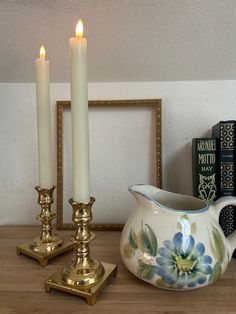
(79, 113)
(44, 120)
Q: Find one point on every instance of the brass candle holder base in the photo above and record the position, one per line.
(83, 275)
(88, 292)
(48, 245)
(41, 257)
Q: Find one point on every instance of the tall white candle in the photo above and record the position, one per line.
(79, 113)
(44, 121)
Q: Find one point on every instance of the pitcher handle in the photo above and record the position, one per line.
(218, 206)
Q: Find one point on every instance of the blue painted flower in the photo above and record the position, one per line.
(181, 263)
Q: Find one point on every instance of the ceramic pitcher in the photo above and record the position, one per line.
(174, 241)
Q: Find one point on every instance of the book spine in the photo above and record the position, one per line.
(225, 131)
(204, 169)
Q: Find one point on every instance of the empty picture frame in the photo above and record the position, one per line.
(125, 149)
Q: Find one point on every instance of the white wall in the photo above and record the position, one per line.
(189, 110)
(139, 40)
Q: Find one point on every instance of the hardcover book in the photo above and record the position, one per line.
(224, 132)
(204, 168)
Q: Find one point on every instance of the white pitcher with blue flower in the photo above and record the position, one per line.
(174, 241)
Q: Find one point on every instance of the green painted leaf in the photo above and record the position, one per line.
(133, 240)
(160, 283)
(140, 239)
(129, 252)
(149, 240)
(146, 271)
(216, 273)
(219, 244)
(194, 228)
(184, 217)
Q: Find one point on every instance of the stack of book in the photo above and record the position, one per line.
(214, 169)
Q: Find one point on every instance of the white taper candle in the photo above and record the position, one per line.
(79, 113)
(43, 121)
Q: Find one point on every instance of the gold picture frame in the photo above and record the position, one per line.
(61, 106)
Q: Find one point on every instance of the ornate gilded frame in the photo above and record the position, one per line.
(61, 106)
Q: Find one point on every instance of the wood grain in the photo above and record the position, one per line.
(22, 284)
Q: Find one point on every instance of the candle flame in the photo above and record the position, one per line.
(79, 29)
(42, 52)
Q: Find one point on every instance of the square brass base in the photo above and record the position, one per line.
(43, 258)
(90, 292)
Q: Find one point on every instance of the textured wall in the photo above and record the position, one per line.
(134, 40)
(189, 110)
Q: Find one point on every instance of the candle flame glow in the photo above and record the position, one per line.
(42, 52)
(79, 29)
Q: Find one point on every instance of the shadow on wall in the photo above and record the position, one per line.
(179, 169)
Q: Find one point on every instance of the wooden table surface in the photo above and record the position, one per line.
(22, 284)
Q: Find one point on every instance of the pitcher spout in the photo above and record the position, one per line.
(145, 196)
(139, 191)
(144, 191)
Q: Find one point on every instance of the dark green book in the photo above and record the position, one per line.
(224, 132)
(204, 169)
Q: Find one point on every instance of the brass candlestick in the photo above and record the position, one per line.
(48, 244)
(83, 275)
